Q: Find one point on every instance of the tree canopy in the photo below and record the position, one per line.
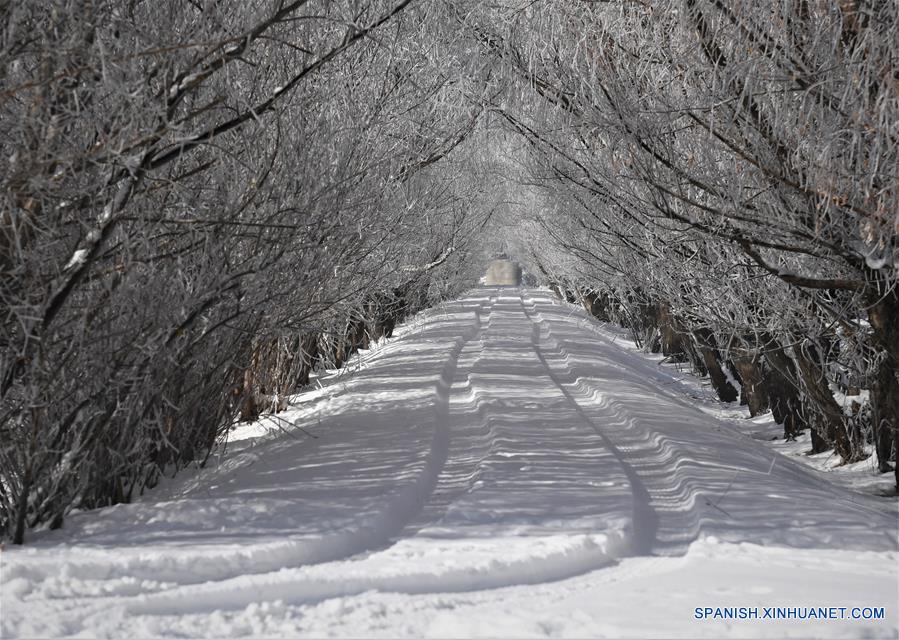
(203, 200)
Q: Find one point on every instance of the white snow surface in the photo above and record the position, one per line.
(502, 468)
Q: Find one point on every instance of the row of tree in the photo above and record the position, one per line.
(202, 201)
(722, 177)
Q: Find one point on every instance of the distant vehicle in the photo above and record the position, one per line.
(503, 272)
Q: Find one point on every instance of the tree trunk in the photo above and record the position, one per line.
(754, 391)
(884, 318)
(22, 508)
(671, 336)
(249, 405)
(782, 383)
(309, 354)
(828, 417)
(708, 348)
(27, 478)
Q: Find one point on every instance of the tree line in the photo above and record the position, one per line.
(204, 200)
(721, 177)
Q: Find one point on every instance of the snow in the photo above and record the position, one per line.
(875, 263)
(106, 215)
(846, 401)
(504, 467)
(862, 476)
(77, 259)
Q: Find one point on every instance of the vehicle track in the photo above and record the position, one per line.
(645, 519)
(164, 576)
(687, 484)
(494, 445)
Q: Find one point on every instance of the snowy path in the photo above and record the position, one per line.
(501, 469)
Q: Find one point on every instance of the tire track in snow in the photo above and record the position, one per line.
(463, 418)
(526, 559)
(487, 429)
(446, 384)
(450, 386)
(494, 478)
(645, 520)
(315, 579)
(700, 476)
(667, 501)
(232, 565)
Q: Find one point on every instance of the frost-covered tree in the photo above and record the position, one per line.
(198, 199)
(728, 168)
(201, 199)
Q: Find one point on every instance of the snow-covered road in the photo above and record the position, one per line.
(501, 468)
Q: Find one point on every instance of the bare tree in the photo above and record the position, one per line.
(195, 194)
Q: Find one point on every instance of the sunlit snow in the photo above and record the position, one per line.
(502, 468)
